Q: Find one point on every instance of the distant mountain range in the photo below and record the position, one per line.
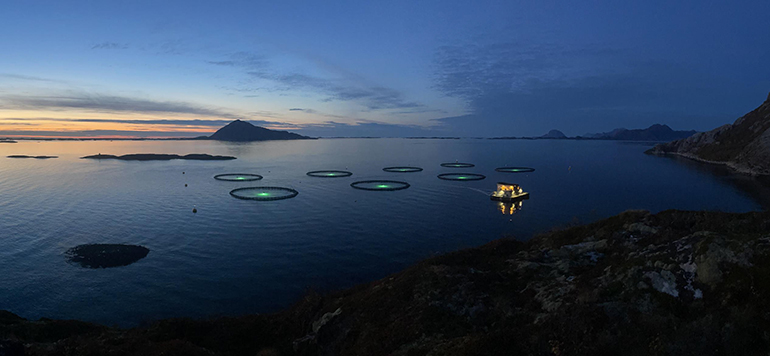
(657, 132)
(242, 131)
(743, 145)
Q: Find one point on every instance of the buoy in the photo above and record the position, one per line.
(194, 209)
(185, 184)
(182, 172)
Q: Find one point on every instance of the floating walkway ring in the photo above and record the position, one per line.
(380, 185)
(402, 169)
(461, 176)
(458, 165)
(329, 174)
(514, 169)
(264, 193)
(238, 177)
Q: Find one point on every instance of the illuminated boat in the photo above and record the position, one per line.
(508, 192)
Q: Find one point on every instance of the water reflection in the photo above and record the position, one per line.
(510, 208)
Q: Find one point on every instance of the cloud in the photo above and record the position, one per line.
(519, 89)
(194, 122)
(100, 133)
(105, 103)
(109, 45)
(29, 78)
(372, 97)
(246, 60)
(363, 129)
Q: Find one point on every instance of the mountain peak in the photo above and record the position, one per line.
(244, 131)
(554, 134)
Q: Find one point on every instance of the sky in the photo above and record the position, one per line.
(380, 68)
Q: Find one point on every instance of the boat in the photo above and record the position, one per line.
(508, 192)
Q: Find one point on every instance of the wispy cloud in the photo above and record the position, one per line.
(29, 78)
(194, 122)
(363, 129)
(242, 59)
(372, 97)
(106, 103)
(109, 45)
(514, 89)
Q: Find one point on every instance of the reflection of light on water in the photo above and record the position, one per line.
(510, 208)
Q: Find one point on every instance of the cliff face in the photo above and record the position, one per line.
(743, 145)
(673, 283)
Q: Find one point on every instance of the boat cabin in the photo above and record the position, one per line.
(508, 192)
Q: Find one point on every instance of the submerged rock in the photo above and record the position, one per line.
(105, 255)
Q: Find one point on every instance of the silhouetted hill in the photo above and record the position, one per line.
(554, 134)
(743, 145)
(655, 132)
(242, 131)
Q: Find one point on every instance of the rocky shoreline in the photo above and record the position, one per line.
(676, 282)
(743, 146)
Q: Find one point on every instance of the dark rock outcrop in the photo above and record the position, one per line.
(743, 145)
(242, 131)
(671, 283)
(160, 157)
(105, 255)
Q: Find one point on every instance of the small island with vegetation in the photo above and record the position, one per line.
(161, 157)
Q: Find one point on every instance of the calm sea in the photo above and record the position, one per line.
(236, 256)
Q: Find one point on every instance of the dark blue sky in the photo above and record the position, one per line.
(395, 68)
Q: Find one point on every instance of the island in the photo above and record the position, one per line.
(744, 145)
(242, 131)
(160, 157)
(36, 157)
(635, 283)
(105, 255)
(7, 141)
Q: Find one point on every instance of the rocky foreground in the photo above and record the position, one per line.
(673, 283)
(743, 145)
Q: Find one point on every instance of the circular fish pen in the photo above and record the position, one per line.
(380, 185)
(458, 165)
(461, 176)
(402, 169)
(329, 174)
(264, 193)
(238, 177)
(514, 169)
